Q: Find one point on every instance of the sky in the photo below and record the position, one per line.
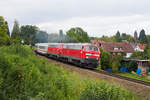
(96, 17)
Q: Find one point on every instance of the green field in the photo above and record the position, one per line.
(23, 76)
(135, 76)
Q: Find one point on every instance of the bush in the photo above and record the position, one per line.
(115, 62)
(23, 76)
(104, 91)
(105, 59)
(132, 66)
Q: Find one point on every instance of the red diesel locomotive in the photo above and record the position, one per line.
(84, 54)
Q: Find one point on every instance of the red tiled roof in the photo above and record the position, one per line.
(122, 46)
(141, 46)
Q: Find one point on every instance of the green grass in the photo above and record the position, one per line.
(23, 76)
(135, 76)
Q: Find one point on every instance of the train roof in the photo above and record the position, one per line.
(42, 44)
(45, 44)
(76, 43)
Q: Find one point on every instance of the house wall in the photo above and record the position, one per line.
(138, 49)
(128, 55)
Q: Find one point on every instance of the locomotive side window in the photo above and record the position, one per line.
(72, 46)
(95, 49)
(89, 48)
(77, 47)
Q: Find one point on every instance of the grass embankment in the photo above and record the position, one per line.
(135, 76)
(25, 77)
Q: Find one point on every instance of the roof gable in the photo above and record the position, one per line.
(141, 46)
(110, 46)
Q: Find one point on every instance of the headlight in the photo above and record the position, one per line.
(88, 54)
(96, 55)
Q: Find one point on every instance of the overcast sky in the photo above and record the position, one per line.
(97, 17)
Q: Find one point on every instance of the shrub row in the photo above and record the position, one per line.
(23, 76)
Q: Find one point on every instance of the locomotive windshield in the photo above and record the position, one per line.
(89, 48)
(92, 48)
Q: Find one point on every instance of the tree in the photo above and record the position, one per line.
(124, 35)
(79, 34)
(61, 35)
(132, 66)
(28, 33)
(41, 37)
(4, 39)
(16, 30)
(107, 39)
(127, 37)
(147, 51)
(118, 34)
(105, 59)
(139, 55)
(142, 37)
(117, 37)
(115, 62)
(8, 32)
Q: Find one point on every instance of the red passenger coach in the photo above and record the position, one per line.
(84, 54)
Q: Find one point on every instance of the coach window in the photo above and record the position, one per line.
(41, 47)
(64, 46)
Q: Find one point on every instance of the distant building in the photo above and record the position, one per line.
(116, 48)
(143, 65)
(139, 47)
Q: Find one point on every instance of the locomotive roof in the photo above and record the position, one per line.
(45, 44)
(77, 43)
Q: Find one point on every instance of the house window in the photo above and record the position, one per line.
(119, 53)
(116, 49)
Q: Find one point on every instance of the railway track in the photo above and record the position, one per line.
(139, 87)
(124, 78)
(109, 74)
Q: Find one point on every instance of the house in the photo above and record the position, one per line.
(139, 47)
(143, 65)
(117, 48)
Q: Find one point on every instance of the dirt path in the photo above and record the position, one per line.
(131, 86)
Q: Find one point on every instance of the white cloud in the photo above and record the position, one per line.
(98, 26)
(97, 17)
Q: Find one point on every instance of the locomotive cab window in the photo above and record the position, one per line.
(89, 48)
(95, 49)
